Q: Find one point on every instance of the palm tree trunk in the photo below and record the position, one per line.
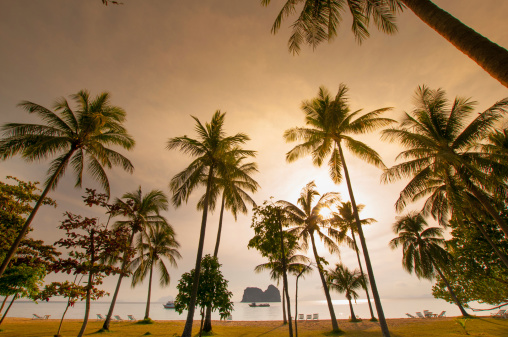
(370, 272)
(63, 316)
(88, 287)
(452, 293)
(372, 318)
(353, 317)
(284, 317)
(8, 308)
(285, 275)
(208, 318)
(26, 226)
(3, 303)
(487, 54)
(335, 325)
(125, 257)
(489, 240)
(187, 331)
(147, 311)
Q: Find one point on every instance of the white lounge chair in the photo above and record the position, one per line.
(100, 317)
(419, 314)
(315, 317)
(442, 314)
(131, 318)
(499, 314)
(118, 318)
(35, 316)
(229, 318)
(309, 317)
(301, 317)
(428, 314)
(409, 315)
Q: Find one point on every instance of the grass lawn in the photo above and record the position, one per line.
(482, 326)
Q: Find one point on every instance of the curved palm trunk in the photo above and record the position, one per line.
(88, 288)
(285, 275)
(489, 240)
(353, 317)
(487, 54)
(3, 303)
(335, 325)
(107, 321)
(63, 316)
(452, 293)
(8, 308)
(147, 311)
(372, 318)
(208, 319)
(370, 272)
(187, 331)
(24, 230)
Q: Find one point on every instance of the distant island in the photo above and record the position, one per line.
(252, 294)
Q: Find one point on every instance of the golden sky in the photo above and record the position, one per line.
(164, 61)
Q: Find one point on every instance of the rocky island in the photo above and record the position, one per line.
(252, 294)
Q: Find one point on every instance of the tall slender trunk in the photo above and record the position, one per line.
(284, 317)
(296, 299)
(489, 240)
(26, 226)
(335, 325)
(208, 319)
(284, 274)
(372, 318)
(353, 317)
(125, 258)
(63, 316)
(8, 308)
(89, 286)
(370, 272)
(487, 54)
(147, 311)
(3, 303)
(452, 293)
(187, 331)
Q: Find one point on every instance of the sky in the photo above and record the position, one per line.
(165, 61)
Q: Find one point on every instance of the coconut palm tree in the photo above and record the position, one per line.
(346, 220)
(319, 19)
(306, 222)
(154, 245)
(80, 137)
(331, 126)
(422, 250)
(212, 150)
(347, 281)
(141, 211)
(295, 263)
(442, 152)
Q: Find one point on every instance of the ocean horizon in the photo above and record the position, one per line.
(392, 308)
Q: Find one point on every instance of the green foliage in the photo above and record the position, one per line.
(475, 269)
(212, 289)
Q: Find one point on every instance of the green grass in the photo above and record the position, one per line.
(483, 326)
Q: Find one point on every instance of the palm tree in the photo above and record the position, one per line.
(344, 280)
(307, 221)
(422, 249)
(154, 245)
(142, 212)
(212, 150)
(331, 124)
(79, 136)
(295, 263)
(319, 19)
(346, 221)
(441, 153)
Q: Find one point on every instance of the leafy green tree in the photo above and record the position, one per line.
(272, 241)
(475, 269)
(156, 244)
(422, 250)
(344, 280)
(346, 221)
(441, 154)
(331, 125)
(141, 212)
(80, 138)
(319, 19)
(212, 150)
(307, 221)
(212, 291)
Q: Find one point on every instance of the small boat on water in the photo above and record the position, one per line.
(169, 305)
(253, 304)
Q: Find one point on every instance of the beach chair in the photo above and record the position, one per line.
(301, 317)
(35, 316)
(419, 314)
(309, 317)
(499, 314)
(118, 318)
(409, 315)
(131, 318)
(100, 317)
(428, 314)
(46, 316)
(442, 314)
(229, 318)
(315, 317)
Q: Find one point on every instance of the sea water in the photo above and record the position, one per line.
(392, 308)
